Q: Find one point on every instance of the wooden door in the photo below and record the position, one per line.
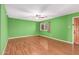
(76, 30)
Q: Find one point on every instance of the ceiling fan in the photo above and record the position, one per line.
(40, 16)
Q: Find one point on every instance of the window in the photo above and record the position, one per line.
(44, 27)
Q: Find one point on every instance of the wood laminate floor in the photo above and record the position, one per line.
(38, 45)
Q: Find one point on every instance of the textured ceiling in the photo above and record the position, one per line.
(40, 12)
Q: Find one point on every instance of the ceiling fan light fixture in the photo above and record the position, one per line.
(40, 16)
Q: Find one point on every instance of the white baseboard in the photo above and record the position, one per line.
(22, 36)
(4, 48)
(57, 39)
(43, 36)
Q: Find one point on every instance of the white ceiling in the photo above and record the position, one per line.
(40, 12)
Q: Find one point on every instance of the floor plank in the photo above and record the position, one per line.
(38, 45)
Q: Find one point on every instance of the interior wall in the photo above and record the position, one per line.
(61, 27)
(0, 28)
(19, 27)
(58, 28)
(3, 29)
(38, 28)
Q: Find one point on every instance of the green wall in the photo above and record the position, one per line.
(70, 20)
(38, 28)
(3, 29)
(0, 28)
(61, 27)
(18, 27)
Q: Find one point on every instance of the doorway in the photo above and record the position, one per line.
(76, 30)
